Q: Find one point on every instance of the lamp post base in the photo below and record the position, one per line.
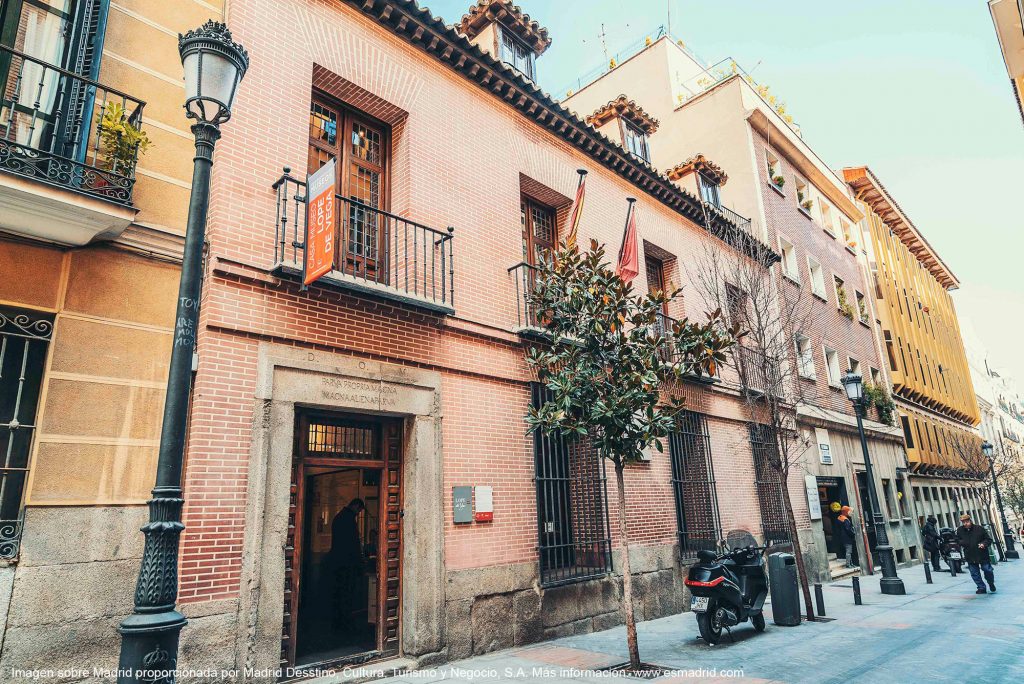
(1009, 551)
(149, 646)
(890, 583)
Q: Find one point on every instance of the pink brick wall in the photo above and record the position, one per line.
(827, 326)
(457, 156)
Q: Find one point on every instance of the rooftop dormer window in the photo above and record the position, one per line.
(710, 177)
(515, 53)
(636, 142)
(634, 124)
(502, 29)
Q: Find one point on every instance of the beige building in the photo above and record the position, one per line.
(91, 227)
(1008, 15)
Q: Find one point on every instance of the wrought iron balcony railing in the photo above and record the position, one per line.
(759, 374)
(742, 222)
(378, 253)
(525, 277)
(50, 129)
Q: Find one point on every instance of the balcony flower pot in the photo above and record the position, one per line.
(122, 142)
(778, 181)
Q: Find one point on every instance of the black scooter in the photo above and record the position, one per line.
(949, 549)
(728, 589)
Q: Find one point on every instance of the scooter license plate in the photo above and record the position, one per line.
(955, 555)
(699, 604)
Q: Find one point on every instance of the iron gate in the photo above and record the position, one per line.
(774, 522)
(24, 338)
(693, 481)
(573, 538)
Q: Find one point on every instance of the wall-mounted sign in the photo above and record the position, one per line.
(828, 481)
(824, 446)
(462, 504)
(483, 504)
(320, 220)
(813, 502)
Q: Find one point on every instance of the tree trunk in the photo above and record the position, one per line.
(801, 569)
(627, 575)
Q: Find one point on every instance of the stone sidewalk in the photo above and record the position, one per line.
(941, 632)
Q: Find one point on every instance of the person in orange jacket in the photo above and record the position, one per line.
(846, 533)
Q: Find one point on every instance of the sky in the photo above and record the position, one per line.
(915, 89)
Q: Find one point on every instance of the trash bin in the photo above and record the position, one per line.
(784, 586)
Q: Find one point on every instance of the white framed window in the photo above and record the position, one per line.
(862, 307)
(803, 195)
(817, 277)
(774, 169)
(804, 356)
(790, 267)
(827, 220)
(876, 377)
(854, 366)
(832, 364)
(849, 239)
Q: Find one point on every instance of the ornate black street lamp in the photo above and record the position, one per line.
(890, 582)
(214, 66)
(1009, 550)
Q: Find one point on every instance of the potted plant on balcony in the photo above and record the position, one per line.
(122, 142)
(779, 181)
(845, 307)
(807, 204)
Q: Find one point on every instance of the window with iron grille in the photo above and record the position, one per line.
(774, 524)
(693, 480)
(24, 338)
(572, 506)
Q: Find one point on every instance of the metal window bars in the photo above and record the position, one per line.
(768, 480)
(24, 338)
(50, 130)
(693, 482)
(377, 251)
(573, 539)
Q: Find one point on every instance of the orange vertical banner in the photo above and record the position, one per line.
(320, 219)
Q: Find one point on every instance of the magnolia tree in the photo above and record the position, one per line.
(606, 361)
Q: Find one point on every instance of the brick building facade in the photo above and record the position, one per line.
(399, 377)
(806, 212)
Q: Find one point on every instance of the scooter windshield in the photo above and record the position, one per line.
(739, 539)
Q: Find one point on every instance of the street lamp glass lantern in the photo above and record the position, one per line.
(214, 66)
(986, 449)
(854, 386)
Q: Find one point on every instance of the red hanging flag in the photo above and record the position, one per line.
(573, 222)
(629, 255)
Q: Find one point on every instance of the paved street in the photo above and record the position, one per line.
(942, 632)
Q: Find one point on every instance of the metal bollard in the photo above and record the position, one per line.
(928, 573)
(856, 591)
(819, 598)
(952, 568)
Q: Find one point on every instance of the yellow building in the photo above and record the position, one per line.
(920, 335)
(91, 233)
(1008, 17)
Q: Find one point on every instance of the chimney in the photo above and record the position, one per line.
(505, 32)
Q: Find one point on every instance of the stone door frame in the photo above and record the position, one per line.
(289, 377)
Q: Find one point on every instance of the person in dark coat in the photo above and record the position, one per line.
(844, 529)
(974, 542)
(930, 532)
(345, 559)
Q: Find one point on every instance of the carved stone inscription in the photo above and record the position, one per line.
(359, 393)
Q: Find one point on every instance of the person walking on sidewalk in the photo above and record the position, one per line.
(974, 541)
(846, 534)
(930, 532)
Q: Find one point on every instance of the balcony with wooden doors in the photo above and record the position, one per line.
(378, 254)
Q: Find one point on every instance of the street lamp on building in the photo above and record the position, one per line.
(890, 582)
(1009, 551)
(214, 66)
